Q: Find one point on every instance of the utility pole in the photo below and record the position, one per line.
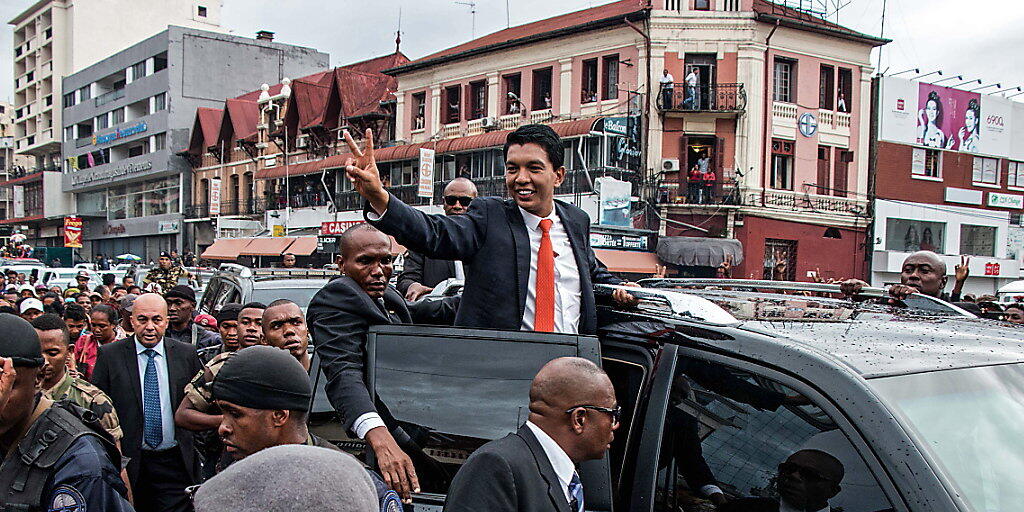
(472, 12)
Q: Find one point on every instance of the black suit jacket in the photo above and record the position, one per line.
(510, 474)
(492, 240)
(751, 505)
(340, 315)
(423, 270)
(117, 374)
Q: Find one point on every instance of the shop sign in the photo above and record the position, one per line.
(991, 269)
(337, 227)
(426, 188)
(278, 230)
(83, 177)
(215, 197)
(73, 232)
(114, 229)
(168, 226)
(997, 200)
(121, 133)
(327, 244)
(607, 241)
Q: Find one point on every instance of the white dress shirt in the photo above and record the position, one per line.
(166, 411)
(560, 461)
(567, 275)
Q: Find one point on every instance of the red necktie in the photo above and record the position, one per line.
(544, 305)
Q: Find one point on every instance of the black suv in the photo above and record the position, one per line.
(720, 381)
(235, 283)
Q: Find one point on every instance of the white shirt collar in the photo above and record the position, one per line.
(159, 348)
(532, 221)
(786, 507)
(560, 461)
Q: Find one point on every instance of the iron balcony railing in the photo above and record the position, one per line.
(703, 98)
(105, 98)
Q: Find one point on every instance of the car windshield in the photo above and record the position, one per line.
(300, 296)
(970, 420)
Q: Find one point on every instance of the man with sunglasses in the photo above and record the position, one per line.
(421, 274)
(573, 417)
(807, 480)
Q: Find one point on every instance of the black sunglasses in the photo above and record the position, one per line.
(615, 413)
(463, 200)
(805, 473)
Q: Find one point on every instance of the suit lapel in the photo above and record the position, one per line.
(555, 491)
(368, 303)
(393, 301)
(521, 243)
(131, 361)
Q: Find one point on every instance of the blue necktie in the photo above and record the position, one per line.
(576, 491)
(152, 430)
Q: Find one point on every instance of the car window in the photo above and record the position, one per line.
(300, 296)
(759, 443)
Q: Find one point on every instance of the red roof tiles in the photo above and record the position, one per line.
(240, 119)
(801, 19)
(205, 129)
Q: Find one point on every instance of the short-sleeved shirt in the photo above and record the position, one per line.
(167, 279)
(80, 392)
(199, 390)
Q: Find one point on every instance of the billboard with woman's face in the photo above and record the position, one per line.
(948, 118)
(940, 117)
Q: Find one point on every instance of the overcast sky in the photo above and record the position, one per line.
(982, 41)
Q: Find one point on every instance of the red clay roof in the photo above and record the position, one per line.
(767, 8)
(276, 88)
(361, 93)
(378, 64)
(310, 101)
(565, 21)
(242, 116)
(410, 151)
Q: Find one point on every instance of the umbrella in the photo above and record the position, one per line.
(129, 257)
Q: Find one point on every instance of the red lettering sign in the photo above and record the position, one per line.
(901, 104)
(337, 227)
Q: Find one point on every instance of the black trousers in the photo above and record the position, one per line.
(160, 486)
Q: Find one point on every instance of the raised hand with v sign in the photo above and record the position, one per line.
(362, 172)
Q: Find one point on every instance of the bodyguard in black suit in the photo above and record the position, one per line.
(145, 377)
(573, 416)
(421, 274)
(807, 480)
(340, 315)
(509, 280)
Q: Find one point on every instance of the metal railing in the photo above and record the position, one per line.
(703, 98)
(105, 98)
(806, 201)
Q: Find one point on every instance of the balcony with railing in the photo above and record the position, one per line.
(805, 201)
(105, 98)
(712, 98)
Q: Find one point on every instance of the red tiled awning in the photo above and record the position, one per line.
(267, 246)
(225, 249)
(573, 128)
(303, 246)
(631, 262)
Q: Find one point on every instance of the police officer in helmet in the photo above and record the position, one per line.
(56, 455)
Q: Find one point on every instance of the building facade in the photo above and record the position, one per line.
(949, 179)
(12, 165)
(128, 115)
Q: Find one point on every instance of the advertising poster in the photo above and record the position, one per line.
(19, 201)
(948, 118)
(995, 125)
(215, 197)
(73, 232)
(426, 188)
(614, 201)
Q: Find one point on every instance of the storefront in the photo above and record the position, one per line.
(146, 237)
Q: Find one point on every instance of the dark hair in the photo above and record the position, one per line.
(75, 312)
(255, 305)
(101, 289)
(51, 322)
(56, 307)
(973, 106)
(80, 294)
(541, 135)
(108, 279)
(9, 310)
(112, 315)
(135, 287)
(118, 287)
(934, 96)
(50, 295)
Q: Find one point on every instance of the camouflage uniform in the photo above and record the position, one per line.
(80, 392)
(199, 390)
(167, 279)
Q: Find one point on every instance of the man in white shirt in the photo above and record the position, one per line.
(692, 90)
(667, 84)
(573, 417)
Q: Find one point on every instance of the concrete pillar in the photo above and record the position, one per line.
(564, 87)
(493, 95)
(401, 118)
(434, 123)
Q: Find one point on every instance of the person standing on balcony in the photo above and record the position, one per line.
(692, 90)
(421, 274)
(707, 177)
(693, 185)
(667, 84)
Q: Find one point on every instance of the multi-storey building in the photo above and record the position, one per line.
(54, 38)
(12, 165)
(121, 136)
(949, 179)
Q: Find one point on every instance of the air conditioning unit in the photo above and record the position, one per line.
(489, 123)
(301, 141)
(670, 164)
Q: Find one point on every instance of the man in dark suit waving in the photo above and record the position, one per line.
(529, 261)
(145, 375)
(573, 417)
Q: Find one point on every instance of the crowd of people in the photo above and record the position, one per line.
(125, 398)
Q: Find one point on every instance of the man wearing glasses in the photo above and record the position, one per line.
(422, 274)
(807, 480)
(573, 417)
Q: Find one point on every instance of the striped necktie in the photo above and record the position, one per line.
(152, 427)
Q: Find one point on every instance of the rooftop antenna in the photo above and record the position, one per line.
(398, 33)
(472, 11)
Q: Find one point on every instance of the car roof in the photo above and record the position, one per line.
(877, 346)
(288, 283)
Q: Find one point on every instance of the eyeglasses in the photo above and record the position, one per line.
(615, 413)
(805, 473)
(463, 200)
